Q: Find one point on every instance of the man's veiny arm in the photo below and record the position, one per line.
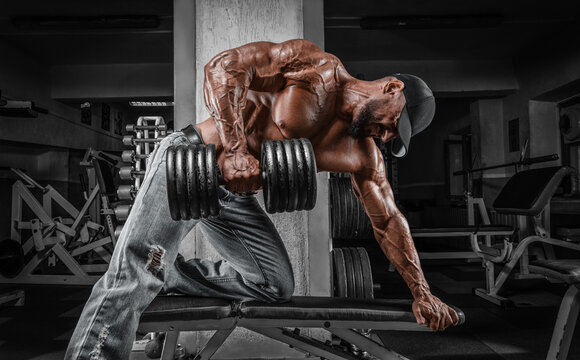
(227, 80)
(390, 226)
(392, 232)
(263, 67)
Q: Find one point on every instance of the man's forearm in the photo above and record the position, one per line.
(397, 244)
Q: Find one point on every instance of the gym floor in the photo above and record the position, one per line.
(41, 328)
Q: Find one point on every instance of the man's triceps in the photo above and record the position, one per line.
(226, 84)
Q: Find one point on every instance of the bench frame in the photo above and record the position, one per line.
(281, 330)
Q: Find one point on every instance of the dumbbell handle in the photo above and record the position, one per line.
(133, 127)
(129, 140)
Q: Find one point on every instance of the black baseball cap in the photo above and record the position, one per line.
(417, 113)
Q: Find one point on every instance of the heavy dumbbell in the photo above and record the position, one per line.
(193, 180)
(129, 156)
(134, 127)
(129, 140)
(122, 211)
(128, 173)
(126, 192)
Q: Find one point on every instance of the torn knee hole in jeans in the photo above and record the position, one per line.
(155, 262)
(94, 354)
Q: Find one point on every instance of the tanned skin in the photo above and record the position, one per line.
(266, 91)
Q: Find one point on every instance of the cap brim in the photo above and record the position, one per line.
(400, 145)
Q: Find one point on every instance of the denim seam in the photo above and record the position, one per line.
(250, 252)
(212, 280)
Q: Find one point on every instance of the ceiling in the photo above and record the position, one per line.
(59, 45)
(517, 26)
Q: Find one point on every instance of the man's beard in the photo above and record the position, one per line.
(361, 122)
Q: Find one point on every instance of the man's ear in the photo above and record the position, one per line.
(393, 86)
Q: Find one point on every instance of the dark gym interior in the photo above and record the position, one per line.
(490, 189)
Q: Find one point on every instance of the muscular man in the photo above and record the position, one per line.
(256, 92)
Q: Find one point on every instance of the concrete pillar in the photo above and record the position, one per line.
(184, 62)
(488, 144)
(319, 241)
(221, 25)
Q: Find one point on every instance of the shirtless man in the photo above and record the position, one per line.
(256, 92)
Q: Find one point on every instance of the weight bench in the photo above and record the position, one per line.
(527, 194)
(472, 232)
(339, 316)
(568, 271)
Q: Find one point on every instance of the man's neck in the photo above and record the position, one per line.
(355, 93)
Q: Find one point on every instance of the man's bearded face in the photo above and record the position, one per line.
(359, 127)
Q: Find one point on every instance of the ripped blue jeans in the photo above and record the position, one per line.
(255, 263)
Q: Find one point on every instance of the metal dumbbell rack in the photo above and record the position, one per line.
(145, 137)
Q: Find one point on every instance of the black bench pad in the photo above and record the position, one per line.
(183, 307)
(567, 270)
(324, 308)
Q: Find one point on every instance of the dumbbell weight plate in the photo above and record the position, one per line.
(212, 180)
(310, 174)
(128, 140)
(300, 179)
(11, 258)
(125, 173)
(122, 212)
(358, 273)
(269, 176)
(339, 272)
(191, 166)
(292, 167)
(366, 273)
(202, 181)
(125, 192)
(350, 205)
(282, 165)
(171, 187)
(181, 182)
(350, 273)
(127, 156)
(335, 202)
(118, 230)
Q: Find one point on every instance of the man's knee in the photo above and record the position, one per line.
(282, 290)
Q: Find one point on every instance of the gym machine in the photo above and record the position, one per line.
(77, 240)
